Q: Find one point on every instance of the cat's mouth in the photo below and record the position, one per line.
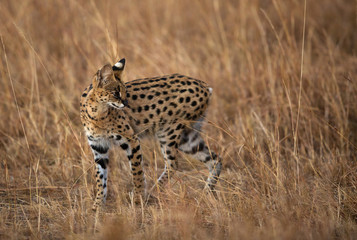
(117, 105)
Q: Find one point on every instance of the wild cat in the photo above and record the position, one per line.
(169, 107)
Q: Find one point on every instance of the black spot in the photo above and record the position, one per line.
(139, 109)
(146, 107)
(84, 95)
(167, 99)
(173, 104)
(201, 99)
(151, 115)
(136, 164)
(146, 120)
(201, 146)
(160, 102)
(127, 127)
(157, 93)
(138, 122)
(181, 100)
(171, 132)
(150, 97)
(191, 91)
(124, 146)
(183, 90)
(99, 149)
(188, 115)
(172, 137)
(153, 106)
(178, 112)
(128, 95)
(205, 94)
(134, 97)
(171, 144)
(135, 150)
(101, 176)
(188, 99)
(170, 157)
(194, 103)
(136, 89)
(140, 172)
(117, 137)
(198, 148)
(158, 111)
(164, 109)
(162, 121)
(180, 76)
(179, 126)
(172, 77)
(102, 162)
(170, 113)
(163, 78)
(189, 83)
(139, 83)
(142, 95)
(165, 93)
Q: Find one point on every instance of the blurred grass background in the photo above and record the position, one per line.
(283, 117)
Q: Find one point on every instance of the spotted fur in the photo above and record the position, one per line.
(170, 107)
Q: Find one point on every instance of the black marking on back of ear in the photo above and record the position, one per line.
(122, 61)
(115, 68)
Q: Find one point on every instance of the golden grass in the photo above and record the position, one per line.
(283, 117)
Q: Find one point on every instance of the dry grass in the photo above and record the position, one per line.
(284, 123)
